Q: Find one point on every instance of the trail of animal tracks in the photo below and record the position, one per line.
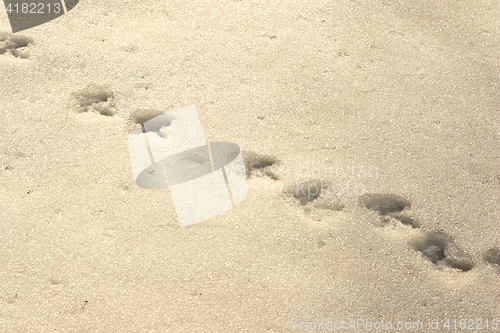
(370, 137)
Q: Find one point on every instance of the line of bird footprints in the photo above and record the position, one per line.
(388, 209)
(437, 247)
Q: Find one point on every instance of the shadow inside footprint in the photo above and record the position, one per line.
(257, 165)
(307, 192)
(315, 192)
(95, 98)
(140, 116)
(389, 205)
(492, 257)
(384, 203)
(442, 252)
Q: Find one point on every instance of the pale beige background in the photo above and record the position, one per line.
(408, 87)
